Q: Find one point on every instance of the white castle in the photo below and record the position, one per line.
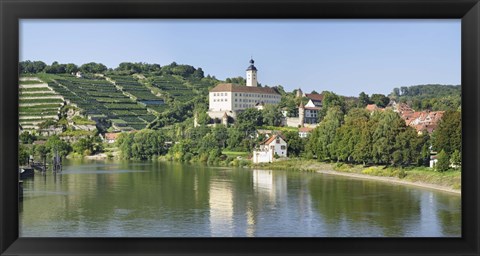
(229, 99)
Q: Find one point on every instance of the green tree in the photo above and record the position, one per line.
(55, 144)
(320, 141)
(363, 100)
(27, 138)
(272, 115)
(93, 67)
(389, 125)
(448, 135)
(295, 144)
(456, 159)
(249, 119)
(331, 99)
(23, 154)
(349, 135)
(443, 162)
(380, 100)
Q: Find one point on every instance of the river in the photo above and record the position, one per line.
(162, 199)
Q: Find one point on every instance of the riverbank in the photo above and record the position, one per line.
(449, 181)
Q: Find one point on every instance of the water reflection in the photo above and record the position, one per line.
(157, 199)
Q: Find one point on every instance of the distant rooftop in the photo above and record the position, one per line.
(242, 88)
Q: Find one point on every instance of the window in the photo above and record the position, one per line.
(235, 94)
(235, 100)
(278, 141)
(282, 147)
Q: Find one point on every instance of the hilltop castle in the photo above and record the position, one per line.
(230, 99)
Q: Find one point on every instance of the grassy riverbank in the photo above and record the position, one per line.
(420, 176)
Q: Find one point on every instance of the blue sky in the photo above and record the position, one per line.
(343, 56)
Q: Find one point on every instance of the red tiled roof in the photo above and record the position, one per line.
(271, 139)
(305, 129)
(314, 96)
(371, 107)
(242, 88)
(111, 136)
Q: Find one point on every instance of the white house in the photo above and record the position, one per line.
(230, 98)
(304, 132)
(269, 149)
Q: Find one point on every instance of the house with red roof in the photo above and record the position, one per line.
(111, 138)
(304, 132)
(271, 148)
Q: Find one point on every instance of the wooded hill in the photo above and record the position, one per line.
(433, 97)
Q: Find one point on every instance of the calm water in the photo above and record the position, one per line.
(158, 199)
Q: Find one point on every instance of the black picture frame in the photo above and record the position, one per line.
(466, 10)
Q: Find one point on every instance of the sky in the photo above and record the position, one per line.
(342, 56)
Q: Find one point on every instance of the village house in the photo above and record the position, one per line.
(228, 98)
(312, 108)
(422, 121)
(304, 132)
(373, 107)
(111, 137)
(271, 148)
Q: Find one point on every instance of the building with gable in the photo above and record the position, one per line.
(268, 150)
(230, 99)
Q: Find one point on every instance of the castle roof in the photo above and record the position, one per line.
(251, 67)
(314, 96)
(242, 88)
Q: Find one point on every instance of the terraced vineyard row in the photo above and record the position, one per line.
(174, 87)
(101, 99)
(38, 103)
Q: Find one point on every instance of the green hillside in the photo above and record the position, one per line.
(429, 97)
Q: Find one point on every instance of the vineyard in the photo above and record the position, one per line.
(100, 98)
(38, 103)
(181, 89)
(121, 100)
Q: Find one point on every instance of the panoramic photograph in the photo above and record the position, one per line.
(239, 128)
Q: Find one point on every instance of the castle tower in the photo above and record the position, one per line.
(195, 120)
(299, 93)
(301, 114)
(225, 119)
(252, 75)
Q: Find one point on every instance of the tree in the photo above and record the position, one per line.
(31, 67)
(55, 144)
(93, 67)
(363, 100)
(448, 135)
(272, 115)
(396, 92)
(348, 136)
(389, 125)
(41, 151)
(27, 138)
(443, 162)
(23, 154)
(71, 68)
(249, 119)
(380, 100)
(331, 99)
(295, 144)
(320, 141)
(456, 159)
(198, 73)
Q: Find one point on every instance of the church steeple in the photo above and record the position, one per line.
(252, 75)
